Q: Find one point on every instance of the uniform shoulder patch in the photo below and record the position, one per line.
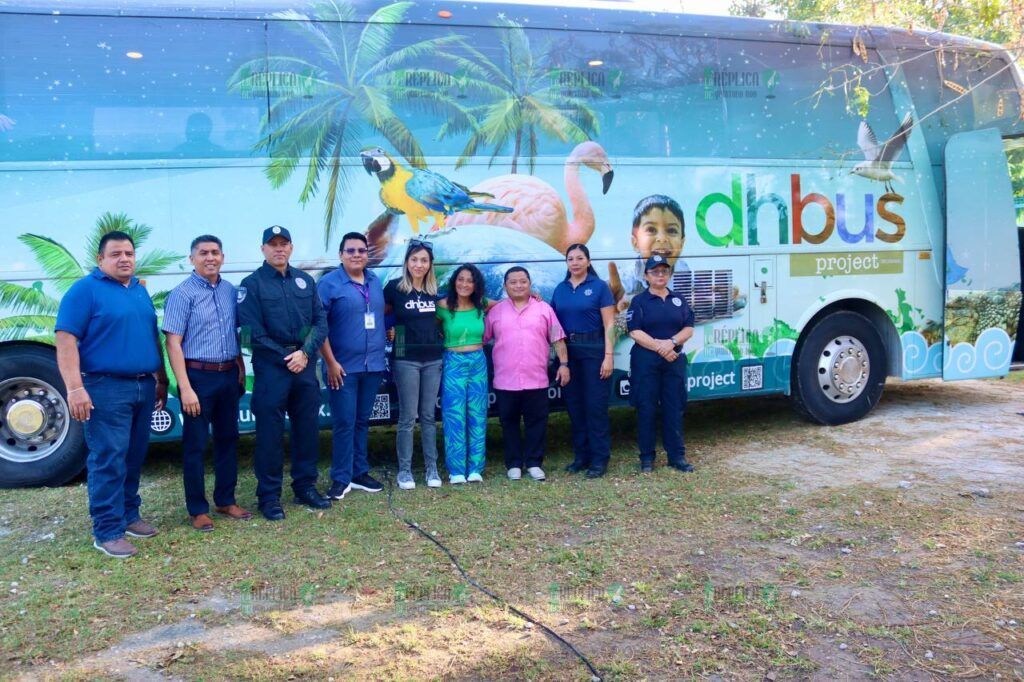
(241, 291)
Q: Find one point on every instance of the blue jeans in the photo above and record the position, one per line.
(418, 384)
(117, 435)
(218, 407)
(351, 406)
(586, 401)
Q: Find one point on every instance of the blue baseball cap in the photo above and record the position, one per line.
(656, 261)
(276, 231)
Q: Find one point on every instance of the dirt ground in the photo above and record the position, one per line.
(894, 549)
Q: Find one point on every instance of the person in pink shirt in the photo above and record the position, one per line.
(523, 330)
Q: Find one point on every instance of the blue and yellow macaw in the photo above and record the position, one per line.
(422, 194)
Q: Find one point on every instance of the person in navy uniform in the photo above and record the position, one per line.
(285, 321)
(659, 322)
(109, 356)
(585, 308)
(201, 328)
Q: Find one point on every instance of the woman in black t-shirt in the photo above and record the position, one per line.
(412, 299)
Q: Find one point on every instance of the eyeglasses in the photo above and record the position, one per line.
(352, 250)
(421, 243)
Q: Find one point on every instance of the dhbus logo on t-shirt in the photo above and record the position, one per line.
(420, 305)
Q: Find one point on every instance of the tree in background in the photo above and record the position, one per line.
(997, 21)
(32, 312)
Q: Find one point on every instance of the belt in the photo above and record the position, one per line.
(578, 337)
(112, 375)
(211, 366)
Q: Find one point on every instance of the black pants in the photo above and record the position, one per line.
(218, 407)
(529, 408)
(656, 383)
(586, 401)
(275, 391)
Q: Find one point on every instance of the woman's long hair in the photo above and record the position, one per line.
(429, 280)
(477, 297)
(586, 252)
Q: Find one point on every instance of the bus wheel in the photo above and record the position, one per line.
(39, 442)
(840, 369)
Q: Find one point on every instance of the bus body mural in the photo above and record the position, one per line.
(831, 239)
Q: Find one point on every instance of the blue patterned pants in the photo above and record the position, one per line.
(464, 412)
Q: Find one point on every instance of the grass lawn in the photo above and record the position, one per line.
(660, 576)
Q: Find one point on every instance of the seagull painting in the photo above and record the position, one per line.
(878, 158)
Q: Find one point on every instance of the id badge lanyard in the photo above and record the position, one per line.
(369, 321)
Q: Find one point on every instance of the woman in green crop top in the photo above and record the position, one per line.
(464, 378)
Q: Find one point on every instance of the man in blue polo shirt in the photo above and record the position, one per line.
(108, 352)
(201, 326)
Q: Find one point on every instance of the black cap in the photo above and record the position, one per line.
(656, 261)
(276, 231)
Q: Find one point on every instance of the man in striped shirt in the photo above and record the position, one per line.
(201, 326)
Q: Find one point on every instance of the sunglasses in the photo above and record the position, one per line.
(421, 243)
(352, 250)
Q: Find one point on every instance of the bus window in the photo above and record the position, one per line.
(79, 87)
(440, 83)
(784, 100)
(647, 90)
(938, 80)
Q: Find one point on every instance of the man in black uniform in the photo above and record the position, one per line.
(285, 321)
(659, 322)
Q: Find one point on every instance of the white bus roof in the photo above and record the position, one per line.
(602, 16)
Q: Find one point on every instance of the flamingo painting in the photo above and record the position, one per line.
(537, 207)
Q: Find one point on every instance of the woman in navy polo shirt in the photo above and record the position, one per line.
(586, 310)
(659, 321)
(412, 299)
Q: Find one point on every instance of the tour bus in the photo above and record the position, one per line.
(847, 209)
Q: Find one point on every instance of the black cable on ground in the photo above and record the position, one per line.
(596, 676)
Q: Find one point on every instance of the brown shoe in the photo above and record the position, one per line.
(141, 529)
(119, 548)
(202, 523)
(235, 512)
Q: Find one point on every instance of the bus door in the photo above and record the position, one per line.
(982, 274)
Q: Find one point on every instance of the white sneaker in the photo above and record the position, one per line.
(475, 478)
(407, 485)
(536, 473)
(434, 482)
(456, 480)
(515, 473)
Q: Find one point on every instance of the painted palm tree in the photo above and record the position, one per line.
(32, 312)
(349, 90)
(523, 99)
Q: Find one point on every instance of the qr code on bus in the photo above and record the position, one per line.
(381, 407)
(753, 377)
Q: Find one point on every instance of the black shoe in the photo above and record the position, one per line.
(312, 498)
(646, 467)
(273, 512)
(595, 473)
(338, 491)
(575, 468)
(681, 465)
(368, 483)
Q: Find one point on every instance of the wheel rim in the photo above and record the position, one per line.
(33, 419)
(843, 369)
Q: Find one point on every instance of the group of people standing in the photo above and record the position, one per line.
(110, 358)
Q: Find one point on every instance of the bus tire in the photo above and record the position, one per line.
(839, 369)
(39, 442)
